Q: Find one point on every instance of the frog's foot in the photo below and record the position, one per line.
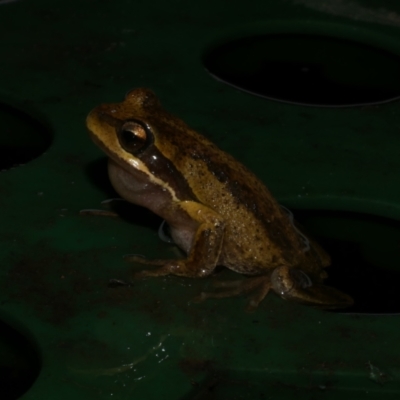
(161, 263)
(294, 284)
(98, 213)
(177, 267)
(137, 258)
(235, 288)
(102, 213)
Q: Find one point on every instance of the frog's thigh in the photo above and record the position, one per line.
(206, 247)
(294, 284)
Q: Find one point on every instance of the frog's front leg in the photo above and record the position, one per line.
(205, 246)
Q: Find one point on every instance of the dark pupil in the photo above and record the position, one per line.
(130, 140)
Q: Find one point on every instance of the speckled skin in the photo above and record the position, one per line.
(219, 212)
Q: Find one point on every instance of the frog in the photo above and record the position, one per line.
(219, 213)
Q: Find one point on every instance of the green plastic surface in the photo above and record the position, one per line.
(86, 340)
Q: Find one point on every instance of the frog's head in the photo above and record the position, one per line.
(141, 140)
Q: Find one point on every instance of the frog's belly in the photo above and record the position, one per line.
(238, 260)
(245, 260)
(235, 255)
(247, 267)
(183, 238)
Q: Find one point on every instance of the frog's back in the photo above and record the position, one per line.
(258, 233)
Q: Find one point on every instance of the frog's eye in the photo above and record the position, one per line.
(133, 137)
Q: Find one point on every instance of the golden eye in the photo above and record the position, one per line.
(133, 137)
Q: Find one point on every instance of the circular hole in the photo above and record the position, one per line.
(19, 363)
(22, 138)
(365, 251)
(307, 69)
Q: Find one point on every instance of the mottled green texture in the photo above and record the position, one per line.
(149, 341)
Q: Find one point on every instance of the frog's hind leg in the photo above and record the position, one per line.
(235, 288)
(259, 296)
(136, 258)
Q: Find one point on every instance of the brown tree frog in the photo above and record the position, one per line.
(219, 212)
